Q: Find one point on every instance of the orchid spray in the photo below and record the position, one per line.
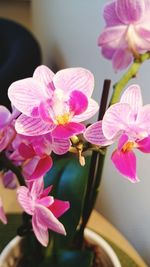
(49, 155)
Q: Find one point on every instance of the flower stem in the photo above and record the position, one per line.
(131, 73)
(6, 163)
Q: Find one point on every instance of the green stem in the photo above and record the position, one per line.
(6, 163)
(131, 73)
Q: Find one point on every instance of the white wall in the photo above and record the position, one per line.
(69, 30)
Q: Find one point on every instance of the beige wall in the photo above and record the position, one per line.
(17, 11)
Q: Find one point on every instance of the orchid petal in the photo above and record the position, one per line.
(7, 135)
(24, 199)
(26, 151)
(26, 95)
(2, 213)
(9, 180)
(37, 187)
(130, 11)
(133, 97)
(60, 146)
(47, 219)
(32, 126)
(78, 102)
(143, 118)
(112, 35)
(44, 165)
(125, 162)
(59, 207)
(122, 141)
(115, 120)
(67, 130)
(40, 230)
(107, 51)
(72, 79)
(5, 116)
(91, 110)
(44, 75)
(45, 201)
(94, 135)
(121, 58)
(144, 145)
(110, 15)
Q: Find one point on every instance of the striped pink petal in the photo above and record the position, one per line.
(94, 135)
(45, 76)
(110, 15)
(60, 146)
(130, 11)
(44, 165)
(24, 199)
(40, 230)
(115, 120)
(143, 118)
(125, 163)
(122, 58)
(26, 95)
(72, 79)
(32, 126)
(47, 219)
(133, 97)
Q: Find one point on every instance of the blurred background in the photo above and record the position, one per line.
(67, 33)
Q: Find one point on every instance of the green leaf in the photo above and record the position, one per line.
(70, 259)
(70, 180)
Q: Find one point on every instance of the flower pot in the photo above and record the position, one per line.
(12, 253)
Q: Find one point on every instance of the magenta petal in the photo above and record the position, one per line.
(59, 207)
(107, 51)
(2, 213)
(123, 139)
(5, 116)
(110, 15)
(42, 167)
(67, 130)
(144, 145)
(125, 162)
(130, 11)
(94, 135)
(72, 79)
(26, 151)
(32, 126)
(78, 102)
(88, 113)
(26, 95)
(44, 75)
(133, 97)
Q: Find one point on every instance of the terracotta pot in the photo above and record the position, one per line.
(13, 251)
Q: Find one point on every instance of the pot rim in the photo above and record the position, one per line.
(89, 234)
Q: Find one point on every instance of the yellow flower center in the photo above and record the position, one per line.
(63, 119)
(129, 146)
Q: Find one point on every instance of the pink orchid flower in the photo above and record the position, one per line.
(129, 123)
(55, 103)
(2, 213)
(32, 153)
(44, 210)
(7, 130)
(127, 31)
